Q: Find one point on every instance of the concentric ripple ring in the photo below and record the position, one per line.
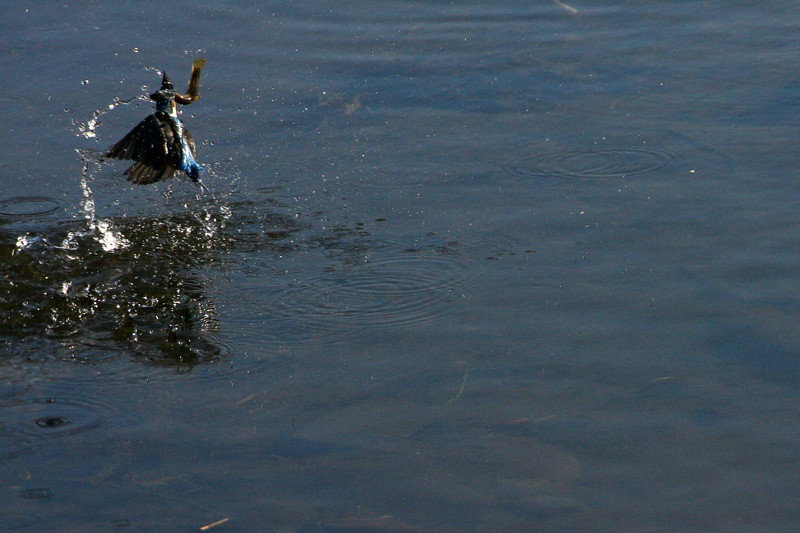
(27, 421)
(385, 292)
(27, 206)
(604, 163)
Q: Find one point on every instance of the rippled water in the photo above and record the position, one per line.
(462, 267)
(589, 164)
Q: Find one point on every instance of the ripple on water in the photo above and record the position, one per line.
(600, 163)
(383, 292)
(162, 359)
(31, 420)
(28, 206)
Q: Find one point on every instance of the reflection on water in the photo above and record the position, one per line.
(70, 284)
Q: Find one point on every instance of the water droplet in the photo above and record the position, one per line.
(24, 241)
(108, 237)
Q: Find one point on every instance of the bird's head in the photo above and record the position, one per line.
(165, 97)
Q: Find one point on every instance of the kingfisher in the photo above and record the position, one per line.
(161, 144)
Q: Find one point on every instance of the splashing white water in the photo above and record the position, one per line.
(108, 237)
(88, 129)
(87, 197)
(102, 231)
(25, 241)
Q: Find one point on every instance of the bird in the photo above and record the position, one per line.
(161, 144)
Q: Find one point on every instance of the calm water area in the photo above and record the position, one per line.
(464, 267)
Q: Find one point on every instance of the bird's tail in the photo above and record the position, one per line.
(194, 171)
(194, 174)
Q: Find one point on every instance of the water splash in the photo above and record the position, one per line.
(85, 292)
(87, 196)
(88, 129)
(26, 241)
(103, 231)
(110, 239)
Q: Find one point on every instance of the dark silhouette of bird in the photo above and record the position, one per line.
(161, 144)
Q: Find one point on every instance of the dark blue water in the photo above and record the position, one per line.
(464, 267)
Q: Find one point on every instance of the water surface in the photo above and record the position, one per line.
(464, 267)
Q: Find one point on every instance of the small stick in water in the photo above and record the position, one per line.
(567, 7)
(214, 524)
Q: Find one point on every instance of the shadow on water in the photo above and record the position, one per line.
(94, 289)
(75, 292)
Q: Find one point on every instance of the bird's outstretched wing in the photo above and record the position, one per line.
(141, 174)
(151, 145)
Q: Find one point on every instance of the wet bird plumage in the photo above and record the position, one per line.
(161, 144)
